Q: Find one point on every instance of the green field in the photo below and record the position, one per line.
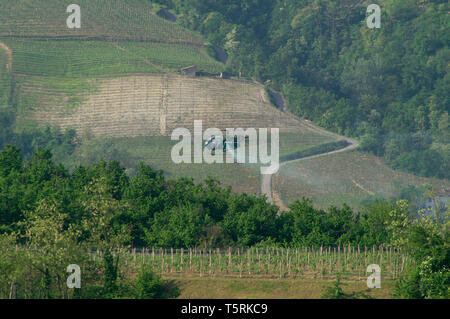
(54, 65)
(88, 58)
(51, 68)
(155, 151)
(293, 142)
(252, 288)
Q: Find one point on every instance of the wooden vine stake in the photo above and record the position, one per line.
(229, 259)
(210, 261)
(190, 259)
(201, 262)
(171, 259)
(181, 259)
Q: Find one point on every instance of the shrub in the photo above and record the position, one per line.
(151, 286)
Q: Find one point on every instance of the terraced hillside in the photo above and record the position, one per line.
(122, 87)
(79, 67)
(157, 104)
(123, 92)
(74, 58)
(115, 81)
(5, 75)
(116, 19)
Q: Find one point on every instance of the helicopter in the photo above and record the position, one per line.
(215, 142)
(228, 145)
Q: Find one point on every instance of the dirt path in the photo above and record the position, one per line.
(266, 181)
(221, 54)
(100, 38)
(279, 101)
(362, 187)
(9, 58)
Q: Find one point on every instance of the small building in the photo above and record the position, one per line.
(422, 4)
(188, 71)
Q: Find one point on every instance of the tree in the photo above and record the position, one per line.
(177, 227)
(51, 245)
(374, 221)
(102, 230)
(428, 242)
(249, 220)
(10, 160)
(398, 223)
(100, 221)
(143, 194)
(308, 225)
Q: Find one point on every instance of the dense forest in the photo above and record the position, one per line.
(388, 86)
(177, 213)
(64, 215)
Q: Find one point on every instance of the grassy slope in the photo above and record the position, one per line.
(155, 151)
(76, 65)
(344, 178)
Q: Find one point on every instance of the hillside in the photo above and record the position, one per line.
(101, 19)
(75, 58)
(119, 89)
(109, 88)
(352, 178)
(5, 75)
(88, 172)
(155, 151)
(388, 86)
(116, 83)
(157, 104)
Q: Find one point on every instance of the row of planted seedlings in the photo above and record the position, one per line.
(317, 262)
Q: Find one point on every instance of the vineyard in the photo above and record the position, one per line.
(4, 78)
(304, 262)
(155, 105)
(77, 58)
(77, 68)
(131, 19)
(55, 67)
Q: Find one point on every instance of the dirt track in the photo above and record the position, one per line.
(266, 180)
(9, 58)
